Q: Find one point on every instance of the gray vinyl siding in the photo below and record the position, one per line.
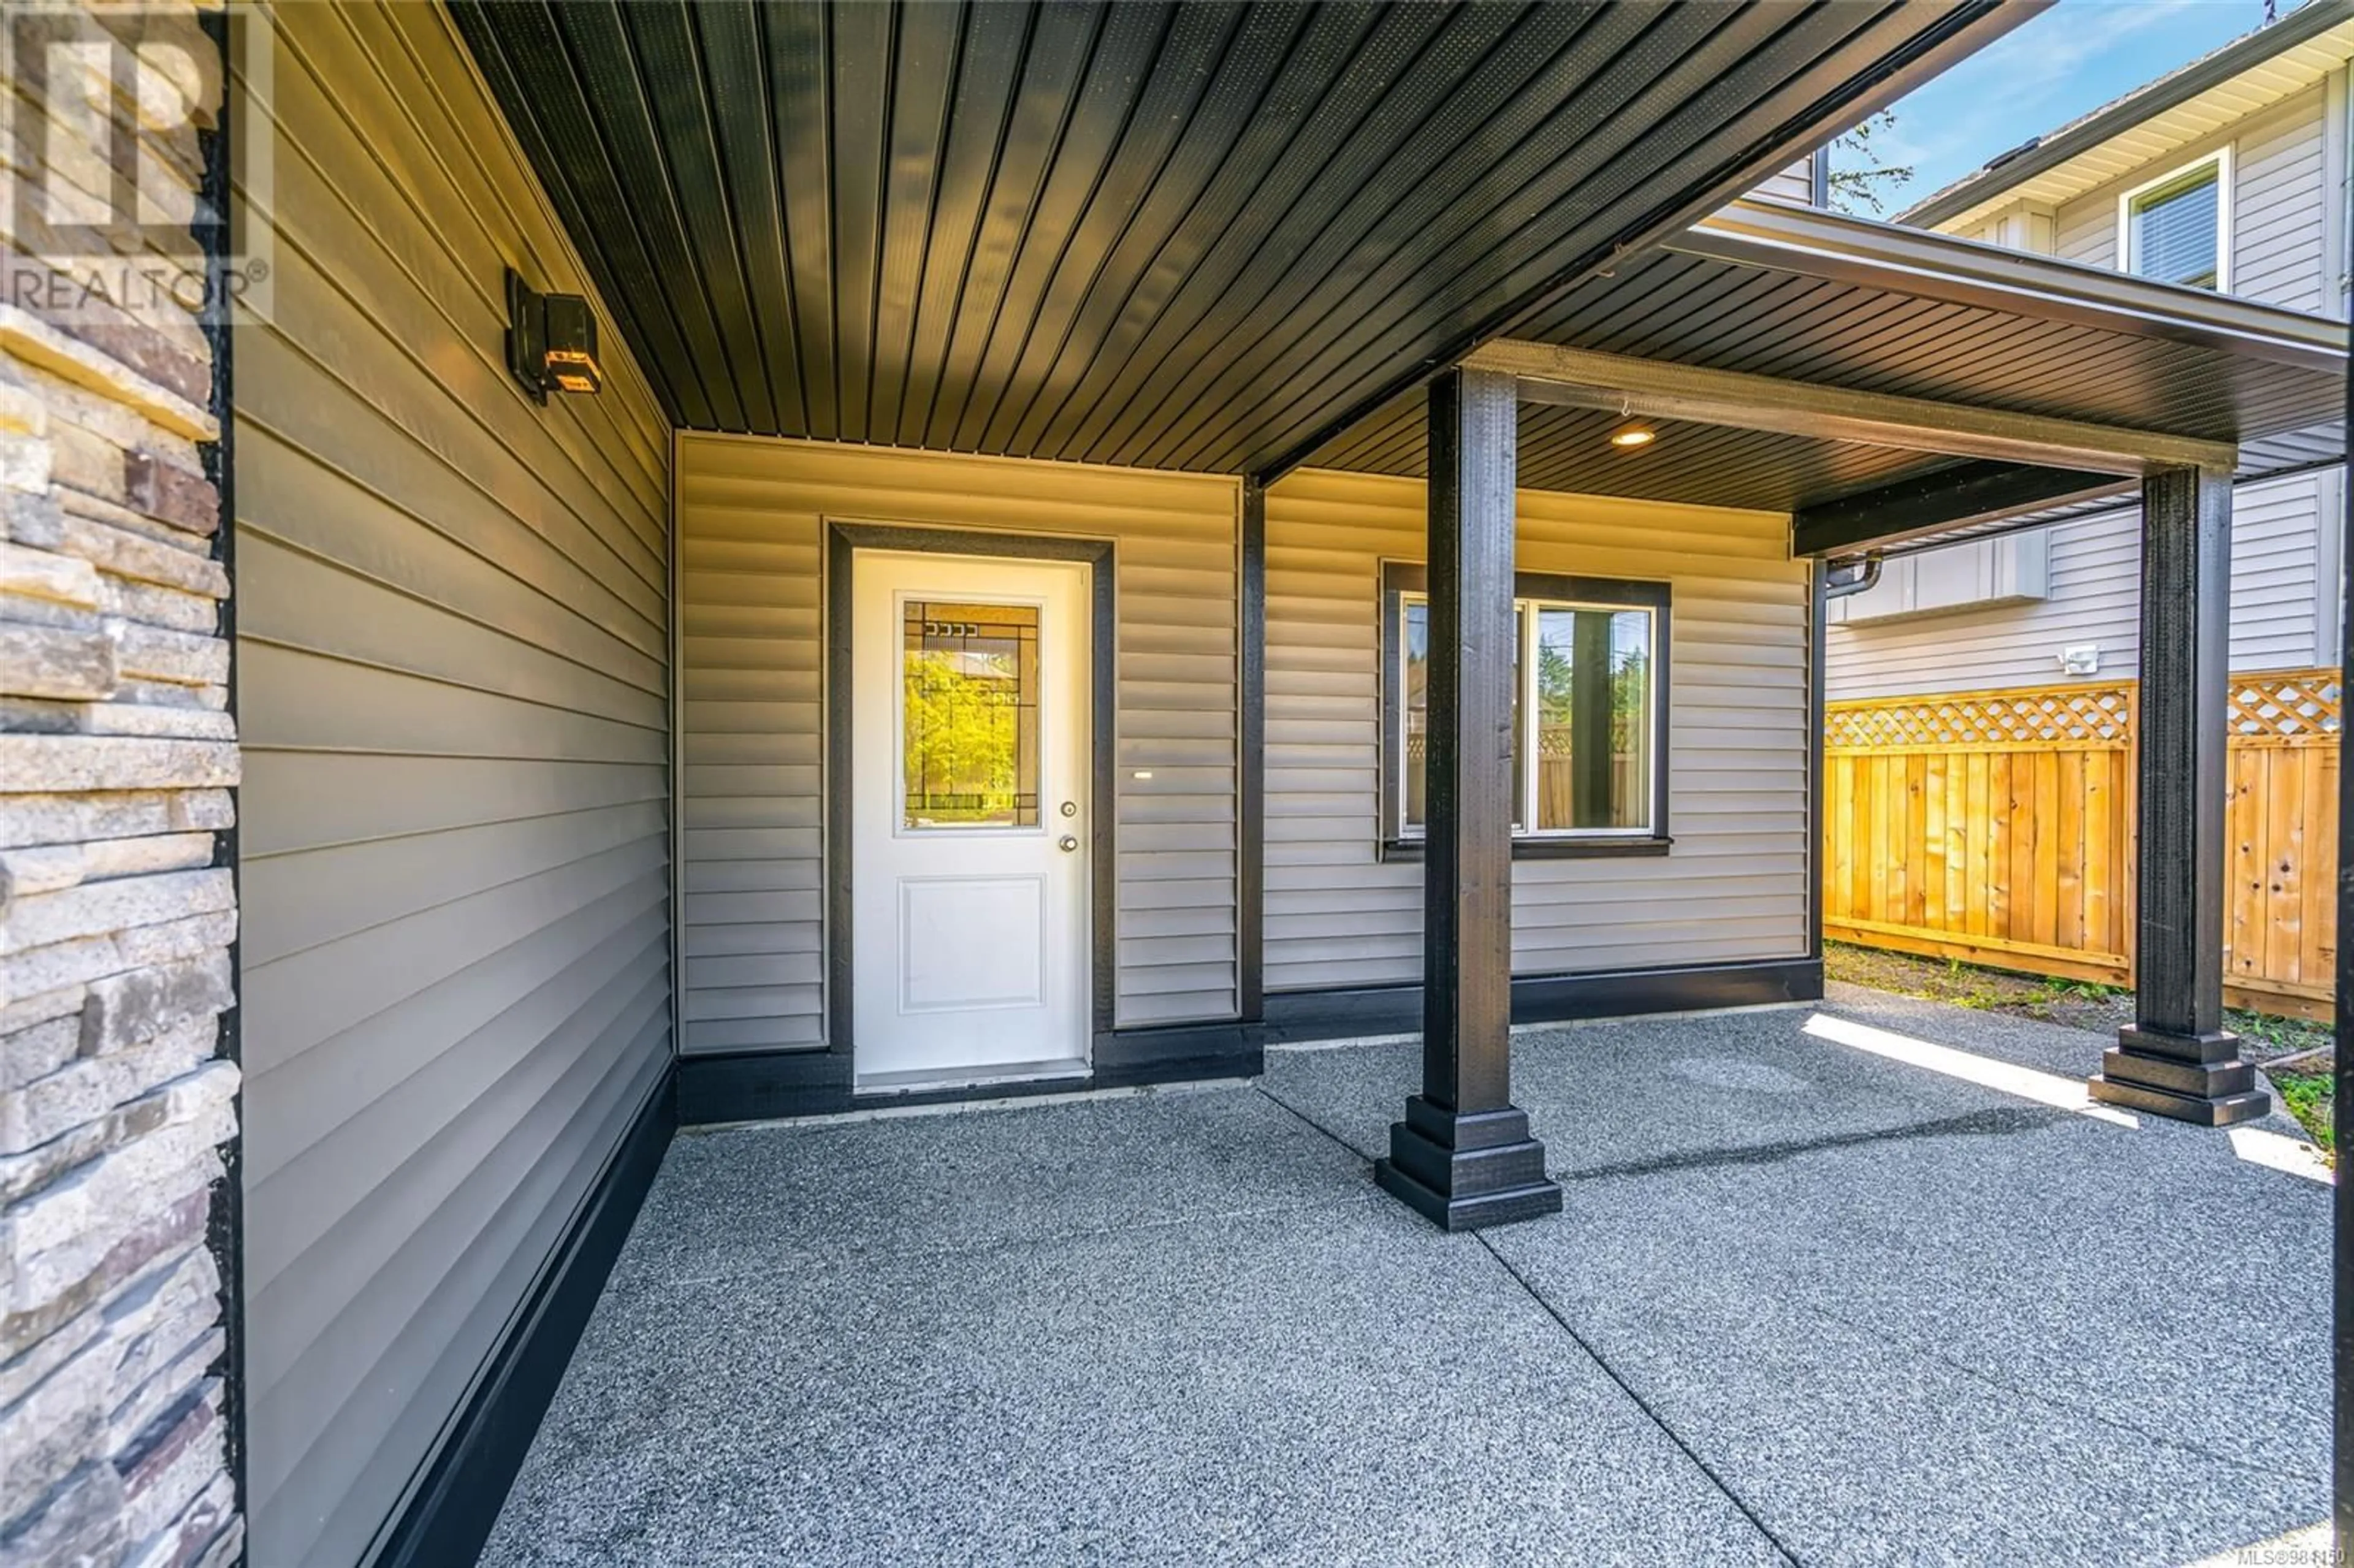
(453, 664)
(2095, 598)
(2086, 231)
(2279, 205)
(752, 520)
(1795, 183)
(1735, 886)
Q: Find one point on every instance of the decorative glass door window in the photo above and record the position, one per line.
(969, 714)
(1587, 710)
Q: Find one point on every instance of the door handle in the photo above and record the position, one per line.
(1067, 843)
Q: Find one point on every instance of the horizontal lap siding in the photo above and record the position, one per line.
(2095, 597)
(752, 519)
(1795, 183)
(2275, 539)
(1734, 886)
(2279, 198)
(452, 665)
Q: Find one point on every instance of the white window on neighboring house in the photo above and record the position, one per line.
(2175, 228)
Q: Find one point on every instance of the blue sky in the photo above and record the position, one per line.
(2054, 66)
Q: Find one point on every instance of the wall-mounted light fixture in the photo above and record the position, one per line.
(551, 341)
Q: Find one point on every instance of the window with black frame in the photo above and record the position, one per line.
(1589, 715)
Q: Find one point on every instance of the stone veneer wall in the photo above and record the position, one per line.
(117, 904)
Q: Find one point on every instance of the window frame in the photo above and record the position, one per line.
(2220, 160)
(1403, 579)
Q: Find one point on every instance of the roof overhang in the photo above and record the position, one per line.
(1811, 243)
(1884, 384)
(2244, 77)
(1200, 237)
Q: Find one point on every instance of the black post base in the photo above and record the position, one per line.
(1463, 1172)
(2189, 1077)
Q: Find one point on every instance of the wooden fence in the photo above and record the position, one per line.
(1997, 828)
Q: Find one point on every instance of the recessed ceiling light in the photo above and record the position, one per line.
(1631, 436)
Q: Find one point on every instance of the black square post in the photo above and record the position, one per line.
(1463, 1155)
(2176, 1059)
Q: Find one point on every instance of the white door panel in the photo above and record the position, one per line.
(970, 821)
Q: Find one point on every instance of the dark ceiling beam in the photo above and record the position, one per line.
(1974, 491)
(1582, 378)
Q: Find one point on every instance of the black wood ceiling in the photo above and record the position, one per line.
(1693, 465)
(1193, 235)
(1681, 308)
(1698, 310)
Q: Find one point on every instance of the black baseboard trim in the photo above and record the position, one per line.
(1302, 1015)
(753, 1086)
(1178, 1052)
(756, 1085)
(761, 1086)
(451, 1514)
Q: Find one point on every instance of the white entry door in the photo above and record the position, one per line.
(970, 821)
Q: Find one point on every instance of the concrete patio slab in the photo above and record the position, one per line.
(1806, 1299)
(1607, 1096)
(2076, 1341)
(1336, 1383)
(746, 1200)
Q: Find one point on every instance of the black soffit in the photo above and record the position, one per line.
(2058, 341)
(1193, 236)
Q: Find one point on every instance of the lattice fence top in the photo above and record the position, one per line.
(2272, 705)
(2287, 703)
(2058, 718)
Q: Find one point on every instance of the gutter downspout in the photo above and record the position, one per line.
(2337, 240)
(1852, 575)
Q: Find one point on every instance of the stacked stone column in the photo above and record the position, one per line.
(118, 755)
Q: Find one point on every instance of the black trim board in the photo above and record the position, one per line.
(762, 1086)
(756, 1085)
(1956, 496)
(1250, 806)
(225, 1225)
(1818, 672)
(844, 540)
(1549, 846)
(1551, 999)
(466, 1484)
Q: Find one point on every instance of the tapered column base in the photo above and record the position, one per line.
(1467, 1170)
(2188, 1077)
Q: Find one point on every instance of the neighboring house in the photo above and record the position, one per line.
(1090, 537)
(2232, 173)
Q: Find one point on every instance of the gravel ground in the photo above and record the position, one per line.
(2077, 1003)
